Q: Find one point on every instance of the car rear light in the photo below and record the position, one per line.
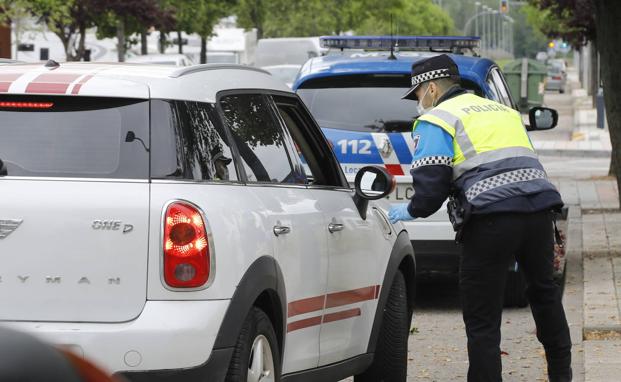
(556, 77)
(187, 250)
(25, 105)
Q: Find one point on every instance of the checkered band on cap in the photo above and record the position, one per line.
(430, 75)
(488, 184)
(433, 161)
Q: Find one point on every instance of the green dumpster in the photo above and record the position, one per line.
(525, 79)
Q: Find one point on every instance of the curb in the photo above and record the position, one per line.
(599, 333)
(575, 153)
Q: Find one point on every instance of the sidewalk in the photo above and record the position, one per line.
(595, 238)
(583, 138)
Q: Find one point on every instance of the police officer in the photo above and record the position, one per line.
(477, 152)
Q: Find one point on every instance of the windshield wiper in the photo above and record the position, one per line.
(392, 126)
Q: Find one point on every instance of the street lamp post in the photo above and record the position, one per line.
(486, 28)
(496, 29)
(477, 4)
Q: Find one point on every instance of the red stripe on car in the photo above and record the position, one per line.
(334, 300)
(306, 305)
(7, 79)
(303, 324)
(394, 169)
(338, 316)
(78, 86)
(55, 83)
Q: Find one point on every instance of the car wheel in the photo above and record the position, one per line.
(515, 290)
(256, 357)
(561, 91)
(390, 360)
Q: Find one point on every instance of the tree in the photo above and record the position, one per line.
(14, 12)
(200, 17)
(413, 17)
(251, 14)
(120, 19)
(68, 19)
(580, 21)
(280, 18)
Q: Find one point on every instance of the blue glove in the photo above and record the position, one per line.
(399, 212)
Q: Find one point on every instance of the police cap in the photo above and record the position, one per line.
(441, 66)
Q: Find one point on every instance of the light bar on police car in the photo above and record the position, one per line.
(402, 42)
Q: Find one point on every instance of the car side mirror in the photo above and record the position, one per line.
(372, 183)
(542, 118)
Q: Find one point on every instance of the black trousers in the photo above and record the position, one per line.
(490, 243)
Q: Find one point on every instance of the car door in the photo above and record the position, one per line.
(355, 245)
(299, 235)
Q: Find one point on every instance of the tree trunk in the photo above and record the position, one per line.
(162, 44)
(81, 42)
(607, 16)
(180, 42)
(613, 166)
(120, 36)
(143, 43)
(203, 50)
(594, 84)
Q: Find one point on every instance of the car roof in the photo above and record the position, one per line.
(192, 83)
(471, 68)
(158, 57)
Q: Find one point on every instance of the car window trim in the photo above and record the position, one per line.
(294, 101)
(173, 103)
(243, 176)
(504, 83)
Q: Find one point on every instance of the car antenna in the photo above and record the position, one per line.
(392, 42)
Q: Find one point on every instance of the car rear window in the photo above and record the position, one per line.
(81, 137)
(366, 103)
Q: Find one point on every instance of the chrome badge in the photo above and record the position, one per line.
(7, 226)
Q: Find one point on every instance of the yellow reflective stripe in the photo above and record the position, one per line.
(461, 137)
(491, 156)
(439, 122)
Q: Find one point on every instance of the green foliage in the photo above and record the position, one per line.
(284, 18)
(527, 33)
(417, 17)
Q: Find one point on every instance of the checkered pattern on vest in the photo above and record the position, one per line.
(433, 160)
(505, 178)
(430, 75)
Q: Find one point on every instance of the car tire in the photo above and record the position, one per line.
(256, 351)
(561, 91)
(390, 360)
(515, 290)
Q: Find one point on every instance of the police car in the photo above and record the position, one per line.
(355, 93)
(159, 221)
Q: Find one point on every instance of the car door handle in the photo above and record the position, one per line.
(281, 230)
(335, 227)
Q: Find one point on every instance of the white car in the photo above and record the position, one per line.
(162, 59)
(193, 223)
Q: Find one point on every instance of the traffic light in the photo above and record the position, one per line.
(551, 44)
(504, 6)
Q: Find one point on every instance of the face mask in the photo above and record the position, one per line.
(421, 109)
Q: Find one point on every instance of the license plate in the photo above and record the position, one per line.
(402, 193)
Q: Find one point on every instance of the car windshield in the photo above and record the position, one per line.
(370, 103)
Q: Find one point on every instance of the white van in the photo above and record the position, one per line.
(280, 51)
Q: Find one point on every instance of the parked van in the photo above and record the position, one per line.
(280, 51)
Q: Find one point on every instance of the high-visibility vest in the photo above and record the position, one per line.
(494, 158)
